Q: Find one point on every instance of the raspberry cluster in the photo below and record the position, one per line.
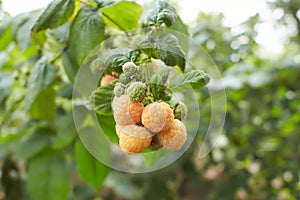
(143, 121)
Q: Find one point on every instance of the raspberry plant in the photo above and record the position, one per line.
(150, 71)
(41, 156)
(44, 51)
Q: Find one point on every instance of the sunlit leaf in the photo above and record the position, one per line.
(130, 12)
(44, 106)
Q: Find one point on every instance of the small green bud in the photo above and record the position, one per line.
(137, 91)
(124, 79)
(129, 69)
(180, 111)
(119, 89)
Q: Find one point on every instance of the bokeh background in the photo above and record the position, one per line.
(256, 46)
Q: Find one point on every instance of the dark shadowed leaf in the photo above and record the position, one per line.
(108, 124)
(70, 65)
(66, 131)
(90, 169)
(101, 99)
(6, 82)
(163, 12)
(169, 50)
(48, 177)
(117, 57)
(41, 77)
(61, 33)
(40, 139)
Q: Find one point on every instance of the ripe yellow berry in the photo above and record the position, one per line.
(126, 111)
(174, 138)
(157, 116)
(133, 138)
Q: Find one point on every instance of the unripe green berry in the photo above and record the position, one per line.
(180, 111)
(129, 69)
(137, 91)
(119, 90)
(124, 79)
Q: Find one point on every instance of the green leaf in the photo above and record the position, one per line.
(6, 37)
(108, 124)
(48, 177)
(5, 23)
(90, 169)
(162, 13)
(53, 45)
(160, 77)
(117, 57)
(41, 77)
(192, 79)
(123, 15)
(169, 50)
(157, 83)
(6, 82)
(19, 21)
(180, 30)
(66, 131)
(61, 33)
(102, 3)
(87, 31)
(101, 99)
(22, 34)
(40, 139)
(65, 91)
(55, 14)
(44, 107)
(70, 65)
(39, 38)
(151, 158)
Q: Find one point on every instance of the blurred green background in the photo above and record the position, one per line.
(257, 157)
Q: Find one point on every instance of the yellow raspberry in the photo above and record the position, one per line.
(133, 138)
(157, 116)
(106, 79)
(127, 112)
(174, 138)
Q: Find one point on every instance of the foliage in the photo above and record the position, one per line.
(257, 157)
